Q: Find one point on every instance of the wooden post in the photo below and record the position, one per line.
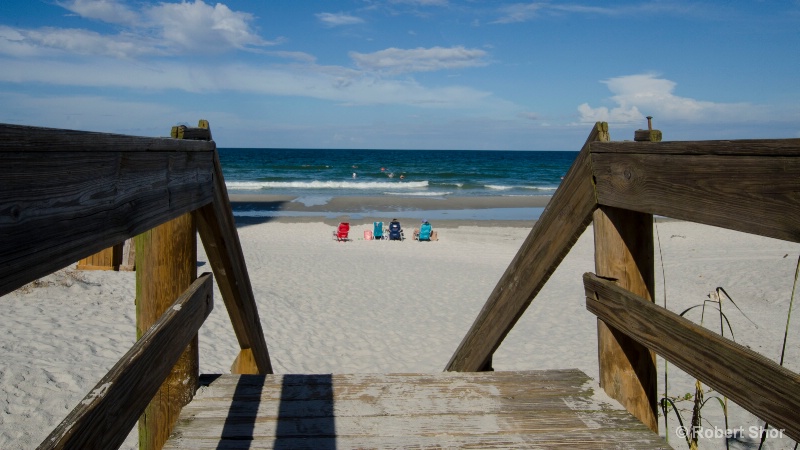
(648, 135)
(166, 264)
(107, 259)
(623, 241)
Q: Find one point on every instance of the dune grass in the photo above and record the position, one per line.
(699, 398)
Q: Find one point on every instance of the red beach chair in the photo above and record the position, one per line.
(340, 234)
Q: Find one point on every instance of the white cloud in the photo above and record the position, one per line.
(519, 12)
(613, 115)
(73, 41)
(332, 83)
(523, 12)
(110, 11)
(646, 94)
(198, 26)
(14, 42)
(163, 29)
(395, 60)
(334, 20)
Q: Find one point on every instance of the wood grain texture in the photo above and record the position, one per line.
(40, 139)
(166, 265)
(217, 229)
(57, 207)
(564, 219)
(754, 382)
(538, 409)
(623, 246)
(107, 414)
(741, 147)
(647, 135)
(753, 194)
(106, 259)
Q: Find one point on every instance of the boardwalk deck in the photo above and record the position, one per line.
(532, 409)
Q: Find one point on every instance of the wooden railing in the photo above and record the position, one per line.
(65, 195)
(751, 186)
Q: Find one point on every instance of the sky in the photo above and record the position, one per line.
(404, 74)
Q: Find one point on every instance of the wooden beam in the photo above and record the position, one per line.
(756, 383)
(61, 204)
(166, 264)
(107, 414)
(623, 250)
(39, 139)
(184, 132)
(217, 229)
(736, 147)
(757, 194)
(564, 219)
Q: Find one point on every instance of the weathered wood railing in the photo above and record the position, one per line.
(67, 194)
(125, 392)
(751, 186)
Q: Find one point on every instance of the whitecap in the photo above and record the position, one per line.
(420, 194)
(373, 185)
(498, 187)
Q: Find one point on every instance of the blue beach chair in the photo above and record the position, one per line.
(395, 231)
(377, 230)
(425, 232)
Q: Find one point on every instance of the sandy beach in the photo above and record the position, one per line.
(386, 307)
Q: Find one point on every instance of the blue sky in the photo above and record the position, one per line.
(409, 74)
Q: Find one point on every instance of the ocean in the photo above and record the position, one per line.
(317, 175)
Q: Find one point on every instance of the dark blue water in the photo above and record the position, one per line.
(431, 173)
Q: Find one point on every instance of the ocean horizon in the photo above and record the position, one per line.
(313, 177)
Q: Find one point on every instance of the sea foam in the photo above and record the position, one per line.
(259, 185)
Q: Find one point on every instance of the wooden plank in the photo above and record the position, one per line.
(106, 415)
(535, 385)
(106, 259)
(217, 229)
(623, 250)
(564, 219)
(736, 147)
(754, 382)
(554, 418)
(57, 207)
(16, 138)
(544, 440)
(482, 410)
(753, 194)
(166, 264)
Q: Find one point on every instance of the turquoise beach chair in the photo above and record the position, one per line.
(425, 232)
(377, 230)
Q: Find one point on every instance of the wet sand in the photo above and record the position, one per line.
(490, 211)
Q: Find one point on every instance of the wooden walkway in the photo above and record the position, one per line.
(532, 409)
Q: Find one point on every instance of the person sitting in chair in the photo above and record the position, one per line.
(395, 231)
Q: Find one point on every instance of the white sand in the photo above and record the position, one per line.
(367, 306)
